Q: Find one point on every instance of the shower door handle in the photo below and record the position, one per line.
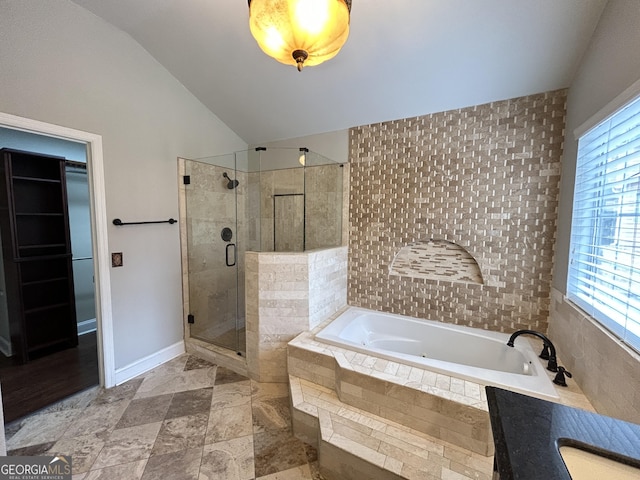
(229, 264)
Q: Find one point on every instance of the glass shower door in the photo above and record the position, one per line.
(216, 295)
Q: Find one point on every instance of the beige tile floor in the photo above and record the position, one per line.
(186, 419)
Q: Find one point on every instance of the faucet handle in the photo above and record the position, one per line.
(544, 354)
(552, 364)
(560, 380)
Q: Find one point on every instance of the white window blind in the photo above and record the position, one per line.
(604, 264)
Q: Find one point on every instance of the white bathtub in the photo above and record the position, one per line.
(469, 353)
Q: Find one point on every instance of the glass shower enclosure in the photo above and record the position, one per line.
(261, 200)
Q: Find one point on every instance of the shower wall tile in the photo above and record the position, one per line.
(288, 181)
(485, 178)
(288, 293)
(323, 206)
(317, 217)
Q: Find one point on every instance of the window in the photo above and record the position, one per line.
(604, 263)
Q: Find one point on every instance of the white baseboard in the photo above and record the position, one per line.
(5, 347)
(87, 326)
(149, 362)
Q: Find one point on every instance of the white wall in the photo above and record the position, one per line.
(61, 64)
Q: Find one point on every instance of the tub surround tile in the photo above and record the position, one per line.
(393, 465)
(337, 464)
(407, 412)
(443, 382)
(472, 390)
(360, 434)
(466, 460)
(408, 439)
(306, 427)
(354, 447)
(363, 445)
(435, 410)
(606, 370)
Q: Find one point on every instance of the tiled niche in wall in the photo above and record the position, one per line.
(438, 260)
(485, 178)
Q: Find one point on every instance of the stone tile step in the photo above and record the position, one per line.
(384, 447)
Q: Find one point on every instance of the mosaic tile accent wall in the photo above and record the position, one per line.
(485, 178)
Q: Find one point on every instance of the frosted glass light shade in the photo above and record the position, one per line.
(300, 32)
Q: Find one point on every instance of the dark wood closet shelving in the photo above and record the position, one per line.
(36, 249)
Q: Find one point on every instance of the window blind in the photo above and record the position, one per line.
(604, 263)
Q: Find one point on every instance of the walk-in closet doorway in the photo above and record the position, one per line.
(91, 362)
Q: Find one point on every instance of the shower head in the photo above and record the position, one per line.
(232, 183)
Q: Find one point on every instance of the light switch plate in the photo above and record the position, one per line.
(116, 259)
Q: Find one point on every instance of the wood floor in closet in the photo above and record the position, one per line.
(30, 387)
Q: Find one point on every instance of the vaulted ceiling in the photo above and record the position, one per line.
(403, 58)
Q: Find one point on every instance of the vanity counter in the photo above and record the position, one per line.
(528, 433)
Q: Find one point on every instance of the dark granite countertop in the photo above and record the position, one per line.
(528, 432)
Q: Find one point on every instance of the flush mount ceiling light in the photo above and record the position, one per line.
(300, 32)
